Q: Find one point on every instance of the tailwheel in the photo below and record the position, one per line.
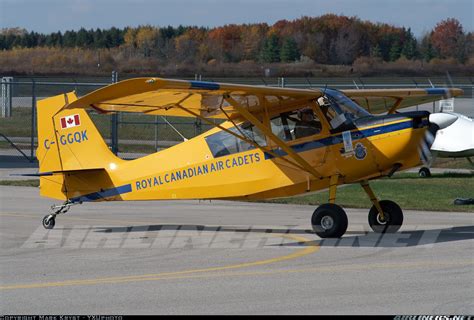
(390, 221)
(329, 221)
(49, 221)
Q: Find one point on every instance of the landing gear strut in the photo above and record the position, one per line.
(385, 216)
(50, 220)
(330, 221)
(392, 217)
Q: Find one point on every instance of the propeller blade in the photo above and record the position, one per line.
(424, 149)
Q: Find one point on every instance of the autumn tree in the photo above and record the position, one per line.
(146, 39)
(327, 39)
(225, 43)
(130, 38)
(346, 46)
(252, 39)
(448, 38)
(186, 48)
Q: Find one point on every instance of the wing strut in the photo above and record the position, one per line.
(252, 119)
(243, 138)
(395, 106)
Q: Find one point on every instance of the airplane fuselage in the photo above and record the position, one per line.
(191, 171)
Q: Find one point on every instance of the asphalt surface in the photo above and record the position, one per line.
(194, 257)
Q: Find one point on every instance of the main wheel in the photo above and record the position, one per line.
(49, 221)
(329, 221)
(424, 172)
(393, 217)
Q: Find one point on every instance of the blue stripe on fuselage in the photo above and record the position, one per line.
(94, 196)
(356, 135)
(302, 147)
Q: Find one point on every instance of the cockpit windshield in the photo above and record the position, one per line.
(340, 110)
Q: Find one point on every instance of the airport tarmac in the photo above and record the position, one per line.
(201, 257)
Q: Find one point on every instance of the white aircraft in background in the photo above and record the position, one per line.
(454, 139)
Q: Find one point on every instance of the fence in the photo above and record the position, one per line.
(132, 135)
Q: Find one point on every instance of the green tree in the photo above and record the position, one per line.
(426, 49)
(289, 51)
(463, 49)
(167, 33)
(409, 46)
(395, 51)
(375, 52)
(99, 39)
(69, 39)
(271, 50)
(385, 44)
(9, 40)
(114, 37)
(85, 38)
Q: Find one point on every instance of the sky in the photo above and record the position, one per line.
(48, 16)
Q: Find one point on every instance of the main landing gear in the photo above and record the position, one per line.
(330, 221)
(50, 220)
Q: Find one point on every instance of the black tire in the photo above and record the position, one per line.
(393, 215)
(49, 222)
(424, 172)
(329, 221)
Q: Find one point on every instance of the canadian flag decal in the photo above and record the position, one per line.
(70, 121)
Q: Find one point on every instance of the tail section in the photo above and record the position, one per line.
(68, 144)
(68, 139)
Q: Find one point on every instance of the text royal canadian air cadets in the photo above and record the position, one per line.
(198, 170)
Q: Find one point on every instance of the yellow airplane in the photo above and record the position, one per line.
(267, 143)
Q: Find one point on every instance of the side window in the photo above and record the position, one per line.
(327, 109)
(339, 115)
(223, 143)
(281, 128)
(252, 133)
(296, 124)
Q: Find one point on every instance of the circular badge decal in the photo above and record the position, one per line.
(360, 151)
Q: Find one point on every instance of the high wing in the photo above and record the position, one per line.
(166, 97)
(389, 100)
